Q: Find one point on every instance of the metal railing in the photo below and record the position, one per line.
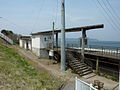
(81, 85)
(6, 38)
(104, 50)
(101, 50)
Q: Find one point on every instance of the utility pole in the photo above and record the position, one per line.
(63, 58)
(53, 41)
(97, 66)
(119, 75)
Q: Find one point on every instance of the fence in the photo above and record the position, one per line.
(6, 38)
(81, 85)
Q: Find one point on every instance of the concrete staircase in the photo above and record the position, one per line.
(78, 66)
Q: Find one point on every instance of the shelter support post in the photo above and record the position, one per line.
(57, 40)
(97, 66)
(83, 44)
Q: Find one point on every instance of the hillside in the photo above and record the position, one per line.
(18, 74)
(11, 35)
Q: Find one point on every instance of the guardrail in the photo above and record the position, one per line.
(6, 38)
(81, 85)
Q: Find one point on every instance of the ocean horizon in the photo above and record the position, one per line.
(75, 42)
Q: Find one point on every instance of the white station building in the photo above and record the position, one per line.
(40, 43)
(25, 42)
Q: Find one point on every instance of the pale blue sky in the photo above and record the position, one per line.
(26, 16)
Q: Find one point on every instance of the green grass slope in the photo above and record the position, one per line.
(18, 74)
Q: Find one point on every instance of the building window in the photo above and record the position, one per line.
(33, 37)
(45, 39)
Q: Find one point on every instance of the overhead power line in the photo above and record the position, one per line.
(38, 15)
(106, 18)
(112, 20)
(111, 12)
(56, 13)
(113, 9)
(14, 24)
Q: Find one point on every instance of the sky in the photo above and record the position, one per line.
(31, 16)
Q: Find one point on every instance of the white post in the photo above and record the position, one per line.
(76, 83)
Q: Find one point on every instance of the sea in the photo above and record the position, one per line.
(93, 43)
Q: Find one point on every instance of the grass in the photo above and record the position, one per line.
(18, 74)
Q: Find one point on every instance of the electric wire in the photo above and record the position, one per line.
(56, 14)
(108, 14)
(14, 24)
(112, 9)
(107, 18)
(111, 13)
(38, 16)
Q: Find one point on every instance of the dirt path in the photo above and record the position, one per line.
(46, 64)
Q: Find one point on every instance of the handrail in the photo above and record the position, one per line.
(6, 38)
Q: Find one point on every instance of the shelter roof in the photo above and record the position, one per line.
(76, 29)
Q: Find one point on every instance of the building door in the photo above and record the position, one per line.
(27, 47)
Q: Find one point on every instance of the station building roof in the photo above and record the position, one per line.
(76, 29)
(25, 37)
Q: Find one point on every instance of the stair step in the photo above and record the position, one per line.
(77, 65)
(88, 72)
(75, 62)
(80, 67)
(89, 75)
(85, 70)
